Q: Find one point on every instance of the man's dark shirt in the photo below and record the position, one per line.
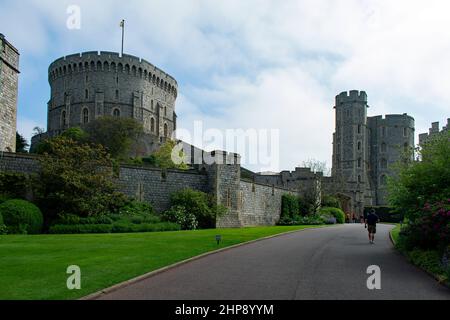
(372, 219)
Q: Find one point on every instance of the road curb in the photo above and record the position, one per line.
(151, 274)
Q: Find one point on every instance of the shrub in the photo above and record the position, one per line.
(289, 206)
(13, 186)
(330, 201)
(429, 232)
(3, 229)
(337, 213)
(137, 208)
(4, 198)
(306, 220)
(80, 228)
(386, 214)
(71, 219)
(200, 204)
(123, 227)
(181, 216)
(21, 217)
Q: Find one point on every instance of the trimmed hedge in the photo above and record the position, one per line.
(21, 217)
(386, 214)
(80, 228)
(145, 227)
(335, 212)
(119, 227)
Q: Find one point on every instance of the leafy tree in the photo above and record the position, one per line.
(117, 135)
(317, 166)
(163, 157)
(76, 134)
(76, 178)
(428, 181)
(21, 143)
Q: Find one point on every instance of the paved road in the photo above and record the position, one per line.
(328, 263)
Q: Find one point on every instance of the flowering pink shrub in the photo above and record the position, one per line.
(431, 230)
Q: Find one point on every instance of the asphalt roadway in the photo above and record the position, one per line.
(320, 264)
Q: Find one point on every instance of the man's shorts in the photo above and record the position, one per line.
(372, 229)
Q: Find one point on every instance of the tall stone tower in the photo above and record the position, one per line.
(9, 78)
(350, 150)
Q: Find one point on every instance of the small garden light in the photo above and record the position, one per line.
(218, 239)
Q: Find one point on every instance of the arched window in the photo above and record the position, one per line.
(116, 113)
(152, 125)
(359, 145)
(85, 116)
(63, 119)
(383, 147)
(106, 66)
(117, 94)
(99, 66)
(86, 94)
(383, 163)
(359, 162)
(166, 130)
(359, 179)
(359, 129)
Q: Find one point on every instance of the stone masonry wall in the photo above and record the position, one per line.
(260, 205)
(155, 185)
(249, 204)
(9, 65)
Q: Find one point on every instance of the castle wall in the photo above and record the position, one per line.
(155, 186)
(434, 131)
(248, 203)
(9, 78)
(390, 137)
(259, 204)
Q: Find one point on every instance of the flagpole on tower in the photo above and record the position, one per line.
(122, 25)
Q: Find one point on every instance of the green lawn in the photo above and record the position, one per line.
(34, 267)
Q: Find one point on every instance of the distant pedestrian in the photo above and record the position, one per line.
(371, 225)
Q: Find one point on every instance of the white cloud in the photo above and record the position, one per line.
(266, 64)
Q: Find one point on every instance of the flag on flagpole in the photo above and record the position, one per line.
(122, 23)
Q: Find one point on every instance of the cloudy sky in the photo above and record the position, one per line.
(254, 63)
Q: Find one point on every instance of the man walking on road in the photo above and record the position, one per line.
(371, 225)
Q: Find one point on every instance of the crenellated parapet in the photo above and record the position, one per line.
(352, 96)
(112, 62)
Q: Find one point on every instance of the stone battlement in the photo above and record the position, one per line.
(352, 96)
(108, 61)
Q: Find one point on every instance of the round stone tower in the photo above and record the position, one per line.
(93, 84)
(351, 151)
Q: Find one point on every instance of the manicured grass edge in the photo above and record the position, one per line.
(431, 274)
(118, 286)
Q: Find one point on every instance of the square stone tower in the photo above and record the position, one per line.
(350, 150)
(9, 78)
